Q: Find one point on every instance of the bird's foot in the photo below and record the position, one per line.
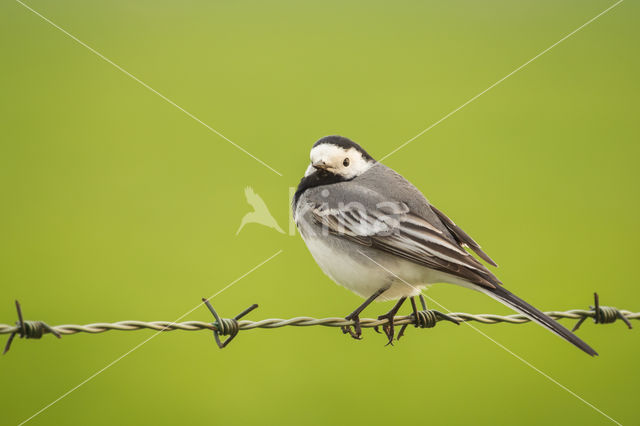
(401, 333)
(388, 329)
(356, 332)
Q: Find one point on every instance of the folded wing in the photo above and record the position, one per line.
(393, 228)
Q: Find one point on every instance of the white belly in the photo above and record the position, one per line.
(364, 271)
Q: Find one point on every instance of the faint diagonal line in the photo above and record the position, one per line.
(533, 367)
(501, 80)
(127, 73)
(146, 340)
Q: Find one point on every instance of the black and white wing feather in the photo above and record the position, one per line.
(463, 239)
(393, 228)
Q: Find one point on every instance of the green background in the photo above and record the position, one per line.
(115, 205)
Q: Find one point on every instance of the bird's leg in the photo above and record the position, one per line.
(415, 315)
(355, 315)
(389, 328)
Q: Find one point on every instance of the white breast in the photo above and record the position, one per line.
(352, 266)
(362, 269)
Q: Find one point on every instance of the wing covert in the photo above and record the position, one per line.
(391, 227)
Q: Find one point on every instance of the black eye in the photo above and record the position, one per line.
(345, 162)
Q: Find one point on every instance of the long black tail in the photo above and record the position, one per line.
(514, 302)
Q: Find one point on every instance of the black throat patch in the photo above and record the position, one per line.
(317, 178)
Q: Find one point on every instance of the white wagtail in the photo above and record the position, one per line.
(373, 232)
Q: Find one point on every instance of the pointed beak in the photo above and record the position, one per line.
(320, 165)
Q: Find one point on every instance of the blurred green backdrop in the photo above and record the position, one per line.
(116, 205)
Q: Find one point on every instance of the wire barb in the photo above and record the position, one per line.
(426, 318)
(429, 318)
(226, 326)
(28, 329)
(603, 314)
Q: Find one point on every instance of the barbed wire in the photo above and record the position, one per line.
(231, 326)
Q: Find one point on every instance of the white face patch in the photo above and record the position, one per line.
(348, 163)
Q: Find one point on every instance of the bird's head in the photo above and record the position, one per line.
(339, 156)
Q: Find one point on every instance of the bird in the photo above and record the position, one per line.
(260, 213)
(373, 232)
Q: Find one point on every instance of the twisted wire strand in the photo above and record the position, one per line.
(102, 327)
